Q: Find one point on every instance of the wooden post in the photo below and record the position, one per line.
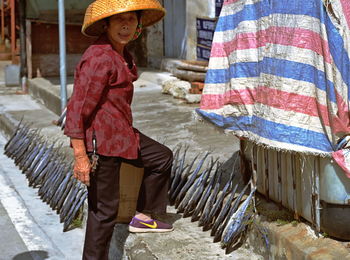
(2, 22)
(13, 30)
(29, 48)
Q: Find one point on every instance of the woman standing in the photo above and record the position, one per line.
(99, 121)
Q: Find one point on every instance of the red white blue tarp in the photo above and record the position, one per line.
(279, 75)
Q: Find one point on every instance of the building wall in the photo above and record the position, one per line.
(44, 54)
(196, 8)
(42, 37)
(155, 45)
(47, 10)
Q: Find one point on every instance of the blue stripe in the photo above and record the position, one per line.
(236, 70)
(312, 8)
(271, 130)
(264, 8)
(277, 67)
(338, 51)
(249, 13)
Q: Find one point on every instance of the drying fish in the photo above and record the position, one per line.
(56, 184)
(72, 182)
(218, 204)
(32, 156)
(175, 162)
(75, 202)
(61, 189)
(182, 176)
(70, 219)
(214, 212)
(191, 191)
(24, 148)
(191, 179)
(237, 222)
(15, 132)
(224, 211)
(49, 175)
(177, 177)
(36, 159)
(28, 153)
(63, 123)
(41, 165)
(69, 201)
(40, 178)
(61, 119)
(220, 230)
(239, 235)
(53, 185)
(205, 195)
(208, 206)
(15, 140)
(190, 207)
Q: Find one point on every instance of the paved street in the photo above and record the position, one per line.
(36, 228)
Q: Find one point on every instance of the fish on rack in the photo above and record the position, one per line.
(46, 168)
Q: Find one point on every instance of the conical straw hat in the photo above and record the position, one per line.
(152, 12)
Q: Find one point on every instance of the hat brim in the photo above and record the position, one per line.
(150, 16)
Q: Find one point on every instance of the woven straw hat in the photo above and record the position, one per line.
(152, 12)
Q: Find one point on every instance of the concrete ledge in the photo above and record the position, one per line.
(291, 239)
(7, 127)
(46, 93)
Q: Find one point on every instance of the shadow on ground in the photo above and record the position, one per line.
(119, 237)
(35, 255)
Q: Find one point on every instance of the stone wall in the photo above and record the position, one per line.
(155, 45)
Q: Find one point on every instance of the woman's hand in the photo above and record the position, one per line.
(82, 168)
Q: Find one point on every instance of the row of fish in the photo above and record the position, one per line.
(202, 191)
(47, 169)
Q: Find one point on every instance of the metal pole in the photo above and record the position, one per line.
(13, 31)
(63, 72)
(2, 21)
(23, 71)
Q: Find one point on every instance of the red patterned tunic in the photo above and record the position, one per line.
(101, 100)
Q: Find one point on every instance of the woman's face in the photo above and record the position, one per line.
(121, 28)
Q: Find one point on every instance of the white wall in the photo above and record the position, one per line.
(196, 8)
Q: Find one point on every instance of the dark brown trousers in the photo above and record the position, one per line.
(103, 193)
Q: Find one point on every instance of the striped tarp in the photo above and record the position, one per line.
(279, 74)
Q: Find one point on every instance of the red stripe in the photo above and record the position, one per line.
(346, 10)
(269, 97)
(340, 159)
(287, 36)
(227, 2)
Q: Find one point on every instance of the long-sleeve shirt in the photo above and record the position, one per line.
(101, 100)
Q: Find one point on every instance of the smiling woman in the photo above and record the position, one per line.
(121, 29)
(100, 125)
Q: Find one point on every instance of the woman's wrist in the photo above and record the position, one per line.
(78, 148)
(80, 156)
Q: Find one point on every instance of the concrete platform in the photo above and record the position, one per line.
(170, 120)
